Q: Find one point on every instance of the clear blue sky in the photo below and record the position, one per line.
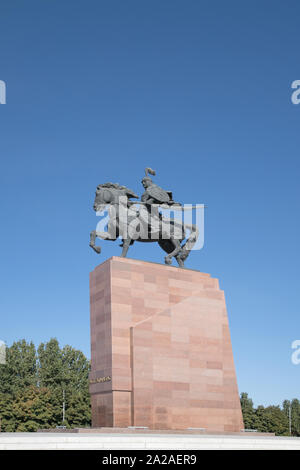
(198, 90)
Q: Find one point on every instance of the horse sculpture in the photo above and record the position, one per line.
(131, 224)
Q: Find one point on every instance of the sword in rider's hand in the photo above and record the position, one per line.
(175, 207)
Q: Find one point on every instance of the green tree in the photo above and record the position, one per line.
(65, 372)
(76, 369)
(50, 364)
(19, 371)
(295, 414)
(78, 411)
(7, 417)
(33, 409)
(251, 420)
(33, 383)
(76, 373)
(65, 368)
(272, 419)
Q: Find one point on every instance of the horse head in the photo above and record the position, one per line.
(110, 194)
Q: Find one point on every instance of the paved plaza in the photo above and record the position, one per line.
(121, 441)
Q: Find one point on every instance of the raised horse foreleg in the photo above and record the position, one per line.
(93, 237)
(103, 235)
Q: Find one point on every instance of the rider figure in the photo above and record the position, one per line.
(154, 196)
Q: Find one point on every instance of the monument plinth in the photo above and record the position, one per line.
(161, 352)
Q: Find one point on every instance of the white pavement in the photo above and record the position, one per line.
(114, 441)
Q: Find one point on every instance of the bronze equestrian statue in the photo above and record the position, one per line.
(144, 223)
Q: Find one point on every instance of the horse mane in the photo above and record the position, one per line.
(110, 185)
(119, 187)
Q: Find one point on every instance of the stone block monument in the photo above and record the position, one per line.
(161, 354)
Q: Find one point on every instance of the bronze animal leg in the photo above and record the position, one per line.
(126, 244)
(168, 258)
(93, 237)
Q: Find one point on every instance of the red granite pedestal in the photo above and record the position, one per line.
(161, 354)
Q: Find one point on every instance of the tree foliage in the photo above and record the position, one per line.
(34, 384)
(292, 409)
(271, 419)
(249, 415)
(19, 371)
